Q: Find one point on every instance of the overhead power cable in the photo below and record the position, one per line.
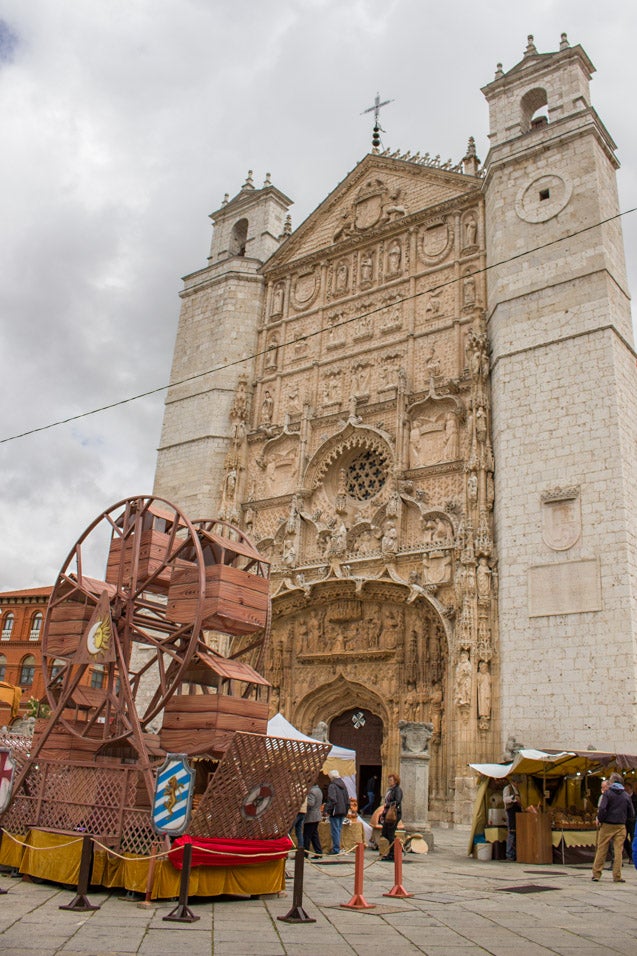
(303, 338)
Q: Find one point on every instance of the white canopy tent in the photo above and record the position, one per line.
(339, 758)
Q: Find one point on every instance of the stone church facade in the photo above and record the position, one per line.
(420, 405)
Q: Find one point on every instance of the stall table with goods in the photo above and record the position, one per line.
(560, 793)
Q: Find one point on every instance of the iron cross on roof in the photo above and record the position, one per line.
(375, 109)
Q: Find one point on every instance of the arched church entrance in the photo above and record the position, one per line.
(376, 647)
(361, 730)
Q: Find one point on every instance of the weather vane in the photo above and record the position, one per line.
(378, 129)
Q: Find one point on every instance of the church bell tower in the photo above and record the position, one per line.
(564, 409)
(215, 346)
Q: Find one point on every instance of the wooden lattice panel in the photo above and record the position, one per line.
(89, 799)
(258, 787)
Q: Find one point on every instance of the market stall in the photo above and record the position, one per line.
(559, 791)
(339, 758)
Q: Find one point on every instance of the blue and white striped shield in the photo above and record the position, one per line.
(173, 795)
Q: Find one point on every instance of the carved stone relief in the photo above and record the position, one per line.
(433, 435)
(305, 288)
(561, 518)
(280, 467)
(435, 240)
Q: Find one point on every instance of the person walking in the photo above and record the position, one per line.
(336, 807)
(370, 791)
(512, 806)
(613, 813)
(392, 812)
(311, 838)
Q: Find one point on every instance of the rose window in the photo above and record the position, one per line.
(366, 475)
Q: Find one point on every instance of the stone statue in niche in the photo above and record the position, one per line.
(435, 529)
(483, 681)
(462, 689)
(432, 364)
(393, 626)
(342, 277)
(289, 554)
(320, 732)
(366, 269)
(450, 446)
(470, 231)
(239, 410)
(338, 539)
(483, 577)
(394, 257)
(481, 424)
(435, 709)
(472, 486)
(277, 299)
(267, 409)
(469, 291)
(272, 354)
(389, 540)
(293, 400)
(332, 388)
(361, 376)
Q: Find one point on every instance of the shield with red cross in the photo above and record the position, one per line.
(7, 773)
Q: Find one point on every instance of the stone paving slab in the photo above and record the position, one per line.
(460, 906)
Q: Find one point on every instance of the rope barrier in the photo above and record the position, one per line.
(28, 846)
(141, 857)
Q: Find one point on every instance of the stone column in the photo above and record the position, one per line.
(414, 777)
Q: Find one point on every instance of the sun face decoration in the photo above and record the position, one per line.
(98, 638)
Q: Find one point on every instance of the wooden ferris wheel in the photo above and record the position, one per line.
(118, 647)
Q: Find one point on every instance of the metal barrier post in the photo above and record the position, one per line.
(398, 889)
(81, 903)
(182, 913)
(297, 914)
(358, 901)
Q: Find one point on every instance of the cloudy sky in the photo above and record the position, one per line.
(124, 122)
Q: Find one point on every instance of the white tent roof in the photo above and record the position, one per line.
(537, 762)
(278, 726)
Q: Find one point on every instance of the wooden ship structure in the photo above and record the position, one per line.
(173, 634)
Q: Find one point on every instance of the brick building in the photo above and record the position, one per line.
(21, 619)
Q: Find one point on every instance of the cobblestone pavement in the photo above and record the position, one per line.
(460, 906)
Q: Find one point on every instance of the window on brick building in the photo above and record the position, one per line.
(27, 670)
(3, 666)
(36, 626)
(7, 626)
(56, 667)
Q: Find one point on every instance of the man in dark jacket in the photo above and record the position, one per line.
(336, 807)
(614, 812)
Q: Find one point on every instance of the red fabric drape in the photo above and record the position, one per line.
(229, 852)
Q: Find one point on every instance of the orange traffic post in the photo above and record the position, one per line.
(398, 889)
(358, 901)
